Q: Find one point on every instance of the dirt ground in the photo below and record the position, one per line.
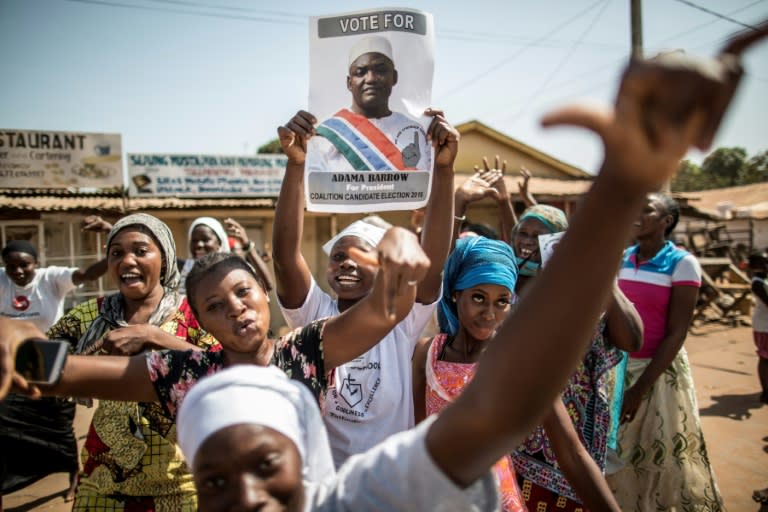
(735, 425)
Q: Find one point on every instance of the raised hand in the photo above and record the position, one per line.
(522, 186)
(402, 264)
(294, 134)
(479, 186)
(499, 184)
(95, 223)
(236, 230)
(444, 138)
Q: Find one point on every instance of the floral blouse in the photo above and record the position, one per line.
(299, 354)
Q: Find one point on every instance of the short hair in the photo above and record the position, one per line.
(22, 246)
(672, 208)
(216, 262)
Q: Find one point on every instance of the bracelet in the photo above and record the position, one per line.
(462, 218)
(249, 246)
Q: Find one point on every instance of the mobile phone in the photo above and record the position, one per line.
(41, 361)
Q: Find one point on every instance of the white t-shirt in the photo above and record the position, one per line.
(371, 397)
(760, 313)
(399, 475)
(406, 133)
(42, 300)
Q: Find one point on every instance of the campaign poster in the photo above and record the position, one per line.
(370, 82)
(42, 159)
(547, 244)
(164, 175)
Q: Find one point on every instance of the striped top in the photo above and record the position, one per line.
(648, 285)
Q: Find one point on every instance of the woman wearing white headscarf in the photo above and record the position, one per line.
(206, 235)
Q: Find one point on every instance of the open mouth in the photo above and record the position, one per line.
(347, 281)
(130, 278)
(525, 252)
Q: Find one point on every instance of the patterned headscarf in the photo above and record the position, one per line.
(554, 220)
(474, 261)
(111, 314)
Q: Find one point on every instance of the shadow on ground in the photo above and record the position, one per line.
(735, 407)
(32, 505)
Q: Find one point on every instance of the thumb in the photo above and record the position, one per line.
(595, 119)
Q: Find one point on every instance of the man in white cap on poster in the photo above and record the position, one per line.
(368, 136)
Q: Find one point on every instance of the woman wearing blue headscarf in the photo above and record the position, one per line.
(478, 290)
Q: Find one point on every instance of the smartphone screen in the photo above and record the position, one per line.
(41, 361)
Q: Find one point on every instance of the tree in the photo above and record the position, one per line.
(755, 170)
(272, 147)
(688, 178)
(722, 167)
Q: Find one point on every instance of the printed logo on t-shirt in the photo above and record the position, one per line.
(20, 303)
(351, 392)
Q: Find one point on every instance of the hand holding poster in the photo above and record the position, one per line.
(370, 82)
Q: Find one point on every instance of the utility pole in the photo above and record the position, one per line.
(637, 28)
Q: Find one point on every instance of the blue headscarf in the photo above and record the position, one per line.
(554, 220)
(474, 261)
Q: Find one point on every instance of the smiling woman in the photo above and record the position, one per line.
(130, 459)
(229, 300)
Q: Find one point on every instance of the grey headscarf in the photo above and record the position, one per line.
(111, 314)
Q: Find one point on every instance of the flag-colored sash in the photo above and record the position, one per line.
(364, 146)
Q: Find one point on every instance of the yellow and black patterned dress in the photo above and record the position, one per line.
(130, 459)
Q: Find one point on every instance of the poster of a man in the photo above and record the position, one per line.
(387, 74)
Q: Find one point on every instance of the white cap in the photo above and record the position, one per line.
(362, 230)
(374, 44)
(250, 394)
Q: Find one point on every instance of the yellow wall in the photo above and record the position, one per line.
(474, 145)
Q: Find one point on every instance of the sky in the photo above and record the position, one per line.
(219, 76)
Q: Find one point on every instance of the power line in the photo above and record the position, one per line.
(599, 70)
(194, 13)
(699, 27)
(716, 14)
(561, 63)
(229, 8)
(507, 60)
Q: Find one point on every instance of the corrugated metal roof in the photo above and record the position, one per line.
(746, 200)
(79, 202)
(61, 200)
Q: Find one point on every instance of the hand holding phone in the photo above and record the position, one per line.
(41, 361)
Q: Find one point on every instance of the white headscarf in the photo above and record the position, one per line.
(362, 230)
(215, 226)
(259, 395)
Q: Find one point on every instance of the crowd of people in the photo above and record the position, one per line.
(540, 371)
